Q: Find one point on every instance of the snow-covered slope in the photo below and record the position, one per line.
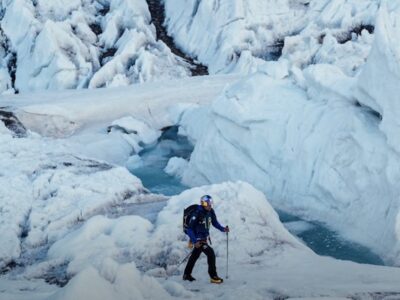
(128, 256)
(323, 158)
(77, 44)
(68, 44)
(46, 190)
(81, 222)
(315, 132)
(63, 113)
(378, 82)
(310, 145)
(238, 36)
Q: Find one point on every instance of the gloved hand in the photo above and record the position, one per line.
(190, 245)
(226, 229)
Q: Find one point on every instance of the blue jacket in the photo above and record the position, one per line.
(200, 222)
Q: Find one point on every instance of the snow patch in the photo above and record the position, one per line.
(176, 166)
(378, 81)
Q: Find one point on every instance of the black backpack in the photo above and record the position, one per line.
(187, 213)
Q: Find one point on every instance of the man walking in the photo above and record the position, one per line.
(198, 230)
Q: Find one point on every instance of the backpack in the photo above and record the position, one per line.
(187, 213)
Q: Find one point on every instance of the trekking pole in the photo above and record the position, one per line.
(183, 260)
(227, 253)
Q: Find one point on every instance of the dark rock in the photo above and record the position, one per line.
(158, 17)
(58, 275)
(346, 36)
(104, 10)
(11, 265)
(12, 69)
(12, 123)
(96, 28)
(106, 54)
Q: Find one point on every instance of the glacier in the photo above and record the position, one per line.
(299, 114)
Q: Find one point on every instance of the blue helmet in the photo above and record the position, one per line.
(206, 200)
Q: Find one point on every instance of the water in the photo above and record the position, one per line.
(315, 235)
(328, 243)
(155, 159)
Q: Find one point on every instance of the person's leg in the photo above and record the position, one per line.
(192, 260)
(212, 269)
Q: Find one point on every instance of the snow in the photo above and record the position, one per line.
(65, 113)
(217, 33)
(223, 34)
(378, 82)
(329, 82)
(316, 155)
(52, 191)
(66, 45)
(89, 284)
(3, 129)
(175, 166)
(136, 132)
(109, 254)
(64, 200)
(60, 182)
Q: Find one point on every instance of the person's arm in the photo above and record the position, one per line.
(191, 225)
(215, 222)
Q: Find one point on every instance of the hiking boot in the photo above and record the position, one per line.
(216, 279)
(188, 277)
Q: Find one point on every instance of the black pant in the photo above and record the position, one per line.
(212, 270)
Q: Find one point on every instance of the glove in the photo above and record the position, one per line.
(190, 245)
(226, 229)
